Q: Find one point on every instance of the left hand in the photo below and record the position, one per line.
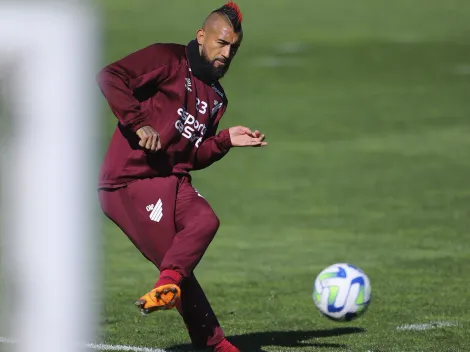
(241, 136)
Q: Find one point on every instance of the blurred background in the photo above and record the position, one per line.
(366, 108)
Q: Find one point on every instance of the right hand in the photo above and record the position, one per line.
(149, 138)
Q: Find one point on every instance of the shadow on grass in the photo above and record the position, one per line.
(254, 342)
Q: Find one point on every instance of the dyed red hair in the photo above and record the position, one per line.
(235, 8)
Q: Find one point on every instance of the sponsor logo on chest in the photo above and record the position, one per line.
(188, 125)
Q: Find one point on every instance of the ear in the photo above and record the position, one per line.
(200, 36)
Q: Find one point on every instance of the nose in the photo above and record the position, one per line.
(226, 52)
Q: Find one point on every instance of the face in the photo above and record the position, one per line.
(218, 45)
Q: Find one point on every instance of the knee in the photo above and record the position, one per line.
(209, 224)
(213, 223)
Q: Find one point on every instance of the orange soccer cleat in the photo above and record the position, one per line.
(160, 298)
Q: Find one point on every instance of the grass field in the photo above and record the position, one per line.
(367, 110)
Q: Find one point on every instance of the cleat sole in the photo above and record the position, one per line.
(160, 298)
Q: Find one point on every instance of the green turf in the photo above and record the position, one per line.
(366, 107)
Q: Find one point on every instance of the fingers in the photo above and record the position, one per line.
(150, 142)
(255, 134)
(143, 141)
(246, 130)
(257, 142)
(155, 143)
(242, 130)
(149, 138)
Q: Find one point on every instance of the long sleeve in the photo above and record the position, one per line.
(119, 80)
(212, 149)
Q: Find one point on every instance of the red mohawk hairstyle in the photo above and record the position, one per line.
(233, 13)
(235, 8)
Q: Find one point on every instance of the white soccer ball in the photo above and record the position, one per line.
(342, 292)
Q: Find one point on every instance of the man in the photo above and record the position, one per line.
(169, 102)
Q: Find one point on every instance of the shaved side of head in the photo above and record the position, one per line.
(214, 21)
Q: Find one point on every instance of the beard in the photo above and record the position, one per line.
(215, 72)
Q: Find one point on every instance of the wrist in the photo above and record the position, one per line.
(225, 139)
(135, 126)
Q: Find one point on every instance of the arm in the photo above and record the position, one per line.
(119, 80)
(212, 149)
(216, 147)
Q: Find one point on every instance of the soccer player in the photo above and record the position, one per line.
(168, 101)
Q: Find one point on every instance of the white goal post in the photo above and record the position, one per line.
(48, 60)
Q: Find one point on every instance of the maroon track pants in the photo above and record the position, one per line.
(172, 226)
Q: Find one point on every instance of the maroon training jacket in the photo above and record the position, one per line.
(155, 86)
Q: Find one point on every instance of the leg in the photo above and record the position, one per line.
(128, 209)
(131, 208)
(196, 226)
(144, 210)
(202, 324)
